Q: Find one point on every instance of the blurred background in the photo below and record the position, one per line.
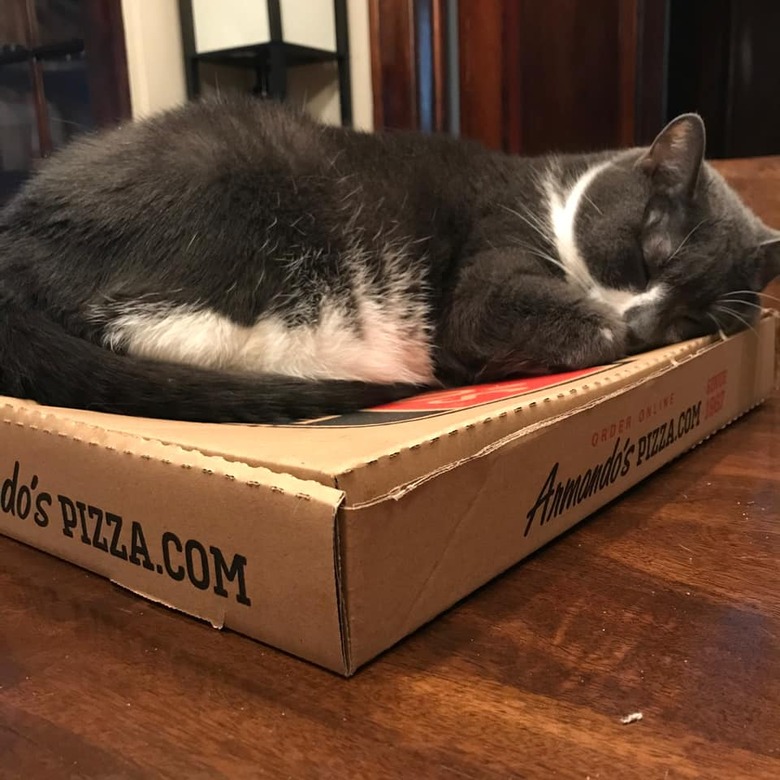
(526, 76)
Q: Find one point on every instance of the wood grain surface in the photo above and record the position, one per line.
(665, 603)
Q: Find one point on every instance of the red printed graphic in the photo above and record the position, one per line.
(476, 395)
(441, 402)
(716, 393)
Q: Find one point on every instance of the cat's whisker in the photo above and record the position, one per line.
(538, 252)
(753, 292)
(532, 222)
(741, 303)
(732, 293)
(721, 332)
(535, 218)
(536, 225)
(550, 259)
(541, 255)
(770, 297)
(685, 240)
(687, 253)
(592, 203)
(736, 316)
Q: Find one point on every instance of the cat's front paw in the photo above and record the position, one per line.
(603, 339)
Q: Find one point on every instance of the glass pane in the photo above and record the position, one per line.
(59, 21)
(18, 127)
(13, 25)
(66, 89)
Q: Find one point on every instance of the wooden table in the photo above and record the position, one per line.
(666, 603)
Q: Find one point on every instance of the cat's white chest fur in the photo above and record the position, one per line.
(380, 346)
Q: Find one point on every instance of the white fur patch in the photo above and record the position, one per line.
(563, 216)
(651, 296)
(160, 331)
(623, 300)
(386, 340)
(382, 350)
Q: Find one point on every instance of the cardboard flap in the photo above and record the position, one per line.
(236, 545)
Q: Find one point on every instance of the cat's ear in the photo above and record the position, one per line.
(768, 258)
(674, 159)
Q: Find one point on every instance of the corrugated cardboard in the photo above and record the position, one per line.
(335, 538)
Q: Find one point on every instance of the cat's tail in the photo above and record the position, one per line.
(41, 361)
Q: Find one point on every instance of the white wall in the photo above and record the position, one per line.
(155, 63)
(360, 65)
(317, 87)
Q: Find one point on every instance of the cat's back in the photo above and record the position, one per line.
(182, 148)
(236, 144)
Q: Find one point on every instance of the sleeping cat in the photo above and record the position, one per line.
(232, 260)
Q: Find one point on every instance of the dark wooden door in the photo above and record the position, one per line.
(723, 63)
(556, 75)
(531, 76)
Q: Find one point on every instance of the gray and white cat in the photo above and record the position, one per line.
(232, 260)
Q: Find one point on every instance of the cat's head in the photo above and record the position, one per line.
(667, 226)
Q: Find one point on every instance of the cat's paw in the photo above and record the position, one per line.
(603, 338)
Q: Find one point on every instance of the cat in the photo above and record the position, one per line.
(232, 260)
